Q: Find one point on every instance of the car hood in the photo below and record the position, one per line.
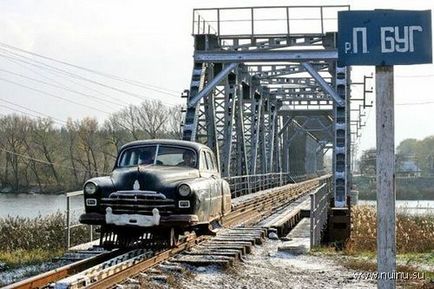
(151, 177)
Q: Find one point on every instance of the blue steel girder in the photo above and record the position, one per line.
(240, 85)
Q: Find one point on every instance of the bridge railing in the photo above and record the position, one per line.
(247, 184)
(319, 204)
(72, 222)
(263, 20)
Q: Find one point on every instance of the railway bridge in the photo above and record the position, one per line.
(269, 97)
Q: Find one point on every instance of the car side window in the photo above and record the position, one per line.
(208, 161)
(211, 165)
(203, 161)
(216, 168)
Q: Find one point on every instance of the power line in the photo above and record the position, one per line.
(17, 110)
(60, 87)
(74, 75)
(52, 95)
(58, 75)
(50, 163)
(46, 115)
(132, 82)
(416, 103)
(170, 92)
(415, 76)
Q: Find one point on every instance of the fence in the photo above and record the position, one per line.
(247, 184)
(319, 204)
(69, 224)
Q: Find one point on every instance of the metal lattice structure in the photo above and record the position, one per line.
(266, 93)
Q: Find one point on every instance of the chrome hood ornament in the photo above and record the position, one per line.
(136, 185)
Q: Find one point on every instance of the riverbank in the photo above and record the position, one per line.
(420, 188)
(52, 190)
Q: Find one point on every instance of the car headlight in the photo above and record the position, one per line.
(90, 188)
(184, 190)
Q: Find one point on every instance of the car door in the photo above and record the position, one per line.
(206, 201)
(215, 186)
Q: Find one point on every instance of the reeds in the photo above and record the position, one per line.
(414, 233)
(42, 233)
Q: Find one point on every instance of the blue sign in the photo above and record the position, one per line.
(384, 37)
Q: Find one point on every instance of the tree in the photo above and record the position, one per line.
(368, 162)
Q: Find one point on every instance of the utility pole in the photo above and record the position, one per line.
(386, 195)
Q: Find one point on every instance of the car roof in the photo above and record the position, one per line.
(194, 145)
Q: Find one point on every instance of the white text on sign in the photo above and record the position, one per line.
(393, 39)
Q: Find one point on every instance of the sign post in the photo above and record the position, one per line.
(386, 195)
(385, 38)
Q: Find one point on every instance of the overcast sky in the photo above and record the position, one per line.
(150, 41)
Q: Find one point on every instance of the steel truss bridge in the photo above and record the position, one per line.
(268, 96)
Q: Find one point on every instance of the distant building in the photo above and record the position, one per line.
(408, 168)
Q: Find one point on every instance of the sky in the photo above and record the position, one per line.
(150, 42)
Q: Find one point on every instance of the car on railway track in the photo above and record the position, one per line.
(157, 190)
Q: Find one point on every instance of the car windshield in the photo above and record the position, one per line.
(163, 156)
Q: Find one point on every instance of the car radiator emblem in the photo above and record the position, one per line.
(136, 185)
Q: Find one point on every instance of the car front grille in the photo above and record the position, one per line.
(138, 202)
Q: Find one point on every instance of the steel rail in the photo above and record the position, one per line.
(146, 264)
(43, 279)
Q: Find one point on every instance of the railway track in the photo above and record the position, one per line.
(42, 280)
(107, 269)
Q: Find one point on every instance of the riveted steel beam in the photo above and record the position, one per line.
(212, 84)
(230, 98)
(256, 116)
(327, 88)
(265, 56)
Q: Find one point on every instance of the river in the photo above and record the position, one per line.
(420, 207)
(32, 205)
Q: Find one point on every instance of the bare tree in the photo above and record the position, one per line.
(174, 123)
(152, 116)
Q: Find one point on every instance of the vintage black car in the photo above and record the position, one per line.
(157, 190)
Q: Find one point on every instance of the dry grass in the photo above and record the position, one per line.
(414, 234)
(42, 232)
(26, 241)
(21, 257)
(414, 238)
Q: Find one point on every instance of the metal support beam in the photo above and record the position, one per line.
(271, 135)
(285, 144)
(228, 124)
(212, 84)
(240, 135)
(265, 56)
(210, 114)
(262, 138)
(341, 141)
(191, 116)
(327, 88)
(256, 116)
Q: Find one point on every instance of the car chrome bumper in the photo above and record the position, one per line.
(132, 219)
(171, 220)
